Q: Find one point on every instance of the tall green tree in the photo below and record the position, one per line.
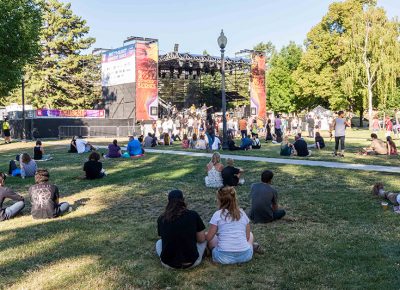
(63, 76)
(327, 50)
(20, 24)
(374, 58)
(281, 96)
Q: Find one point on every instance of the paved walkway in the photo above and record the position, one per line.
(339, 165)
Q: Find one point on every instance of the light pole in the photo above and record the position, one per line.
(23, 110)
(222, 41)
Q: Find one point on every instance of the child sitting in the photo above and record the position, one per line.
(93, 167)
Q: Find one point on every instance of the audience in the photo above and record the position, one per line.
(264, 200)
(148, 140)
(183, 242)
(256, 142)
(319, 141)
(391, 146)
(246, 143)
(377, 147)
(202, 143)
(45, 197)
(114, 151)
(185, 142)
(286, 147)
(231, 144)
(300, 146)
(83, 146)
(229, 237)
(134, 147)
(72, 146)
(27, 166)
(38, 152)
(379, 190)
(5, 192)
(231, 175)
(193, 142)
(214, 169)
(216, 145)
(93, 167)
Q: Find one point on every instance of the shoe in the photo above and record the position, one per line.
(257, 248)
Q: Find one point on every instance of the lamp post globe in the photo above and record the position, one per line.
(222, 41)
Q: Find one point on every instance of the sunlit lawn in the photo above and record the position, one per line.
(335, 235)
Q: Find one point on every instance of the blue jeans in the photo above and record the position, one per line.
(15, 209)
(226, 258)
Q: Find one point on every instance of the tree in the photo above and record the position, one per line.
(19, 40)
(62, 77)
(317, 77)
(281, 96)
(374, 58)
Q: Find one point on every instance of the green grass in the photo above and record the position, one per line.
(335, 234)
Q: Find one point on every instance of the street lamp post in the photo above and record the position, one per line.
(222, 41)
(23, 110)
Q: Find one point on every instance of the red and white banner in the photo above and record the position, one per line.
(257, 86)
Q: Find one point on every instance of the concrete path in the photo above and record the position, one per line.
(303, 162)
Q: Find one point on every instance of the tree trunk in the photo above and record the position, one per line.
(361, 117)
(370, 96)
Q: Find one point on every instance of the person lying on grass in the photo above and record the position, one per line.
(379, 190)
(5, 192)
(377, 147)
(93, 167)
(229, 237)
(45, 197)
(264, 200)
(182, 242)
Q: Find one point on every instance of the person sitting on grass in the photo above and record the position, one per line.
(134, 147)
(38, 152)
(202, 143)
(5, 192)
(229, 237)
(319, 141)
(83, 146)
(231, 175)
(264, 200)
(231, 144)
(300, 146)
(377, 147)
(93, 167)
(45, 197)
(182, 242)
(27, 166)
(167, 140)
(256, 142)
(72, 145)
(148, 140)
(114, 151)
(185, 142)
(391, 146)
(379, 190)
(246, 143)
(193, 142)
(286, 147)
(214, 168)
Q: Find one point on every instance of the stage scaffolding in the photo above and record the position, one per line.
(186, 79)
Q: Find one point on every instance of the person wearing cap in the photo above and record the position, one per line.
(6, 131)
(183, 241)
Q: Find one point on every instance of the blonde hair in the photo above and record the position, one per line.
(216, 158)
(227, 201)
(229, 161)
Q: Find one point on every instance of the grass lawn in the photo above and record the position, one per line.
(335, 234)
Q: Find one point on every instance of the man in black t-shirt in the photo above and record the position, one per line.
(183, 241)
(264, 200)
(44, 197)
(93, 167)
(231, 174)
(301, 146)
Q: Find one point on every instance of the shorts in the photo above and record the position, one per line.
(223, 257)
(7, 133)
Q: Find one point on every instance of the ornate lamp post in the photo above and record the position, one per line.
(222, 41)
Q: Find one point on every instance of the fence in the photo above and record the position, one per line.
(97, 131)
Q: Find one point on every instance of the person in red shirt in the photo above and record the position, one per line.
(388, 126)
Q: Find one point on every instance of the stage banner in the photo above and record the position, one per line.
(146, 81)
(118, 66)
(257, 86)
(46, 113)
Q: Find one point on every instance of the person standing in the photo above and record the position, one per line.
(243, 127)
(339, 126)
(277, 125)
(6, 131)
(388, 126)
(311, 124)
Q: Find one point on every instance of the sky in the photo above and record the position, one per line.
(196, 25)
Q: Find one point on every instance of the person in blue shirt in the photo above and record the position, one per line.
(134, 147)
(246, 143)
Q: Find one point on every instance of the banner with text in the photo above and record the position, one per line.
(47, 113)
(146, 81)
(118, 66)
(257, 86)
